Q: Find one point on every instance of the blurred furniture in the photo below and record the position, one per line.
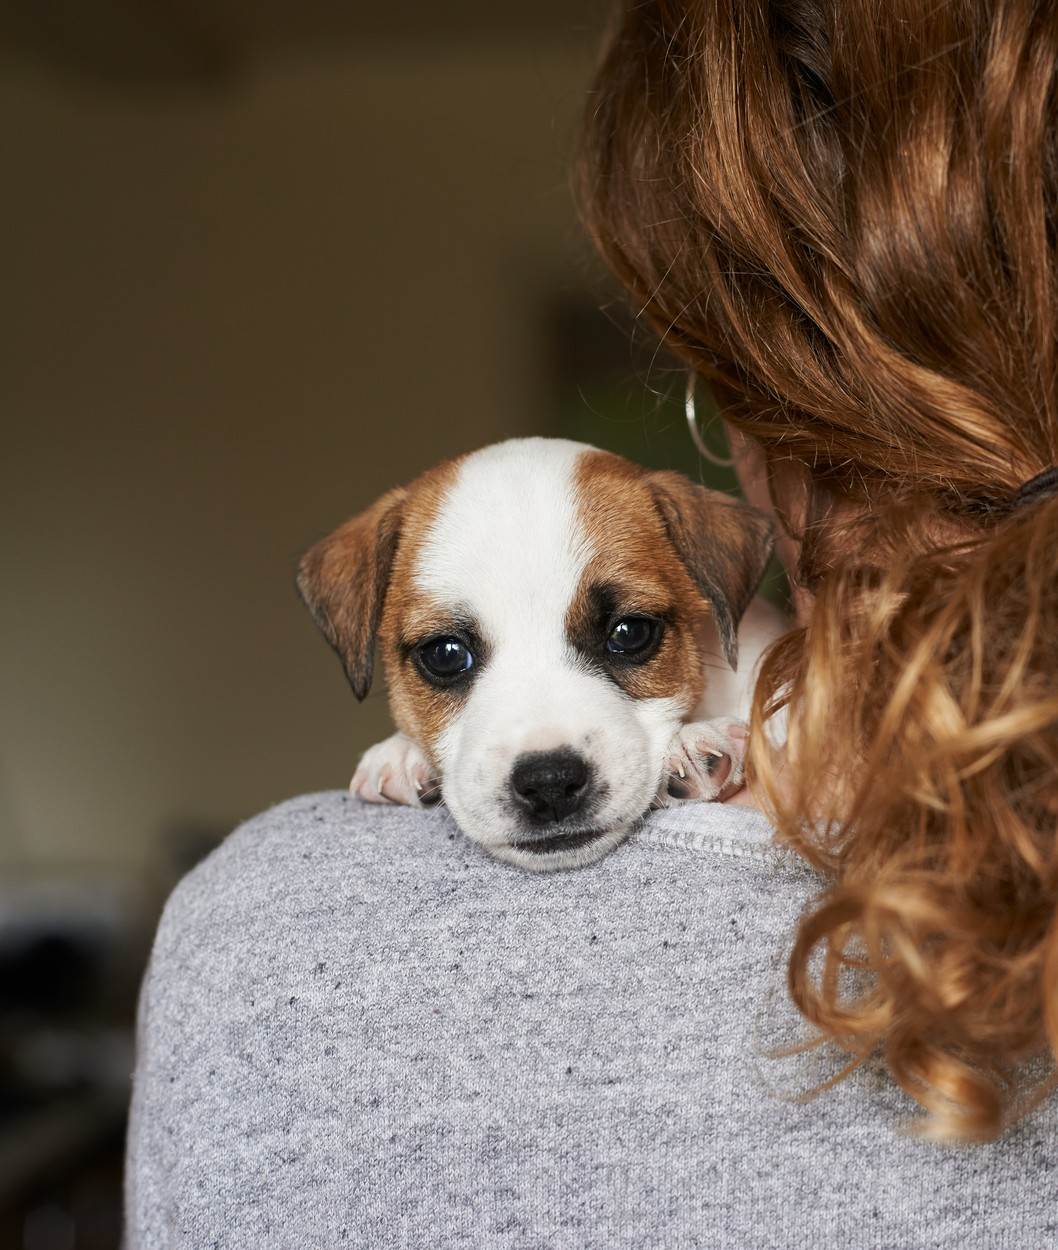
(70, 960)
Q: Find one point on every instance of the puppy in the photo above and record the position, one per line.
(546, 614)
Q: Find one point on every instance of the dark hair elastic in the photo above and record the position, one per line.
(1036, 488)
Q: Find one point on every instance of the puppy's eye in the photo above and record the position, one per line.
(633, 636)
(445, 659)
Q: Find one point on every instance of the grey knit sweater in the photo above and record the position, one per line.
(358, 1031)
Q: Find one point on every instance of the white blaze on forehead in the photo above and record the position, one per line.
(507, 545)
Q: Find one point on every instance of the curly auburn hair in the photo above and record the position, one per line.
(842, 213)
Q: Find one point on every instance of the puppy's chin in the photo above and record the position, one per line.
(562, 851)
(616, 806)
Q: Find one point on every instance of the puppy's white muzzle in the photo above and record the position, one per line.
(551, 766)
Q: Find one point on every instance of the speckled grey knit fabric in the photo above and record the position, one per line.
(358, 1031)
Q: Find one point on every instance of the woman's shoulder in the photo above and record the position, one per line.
(364, 909)
(359, 1026)
(330, 851)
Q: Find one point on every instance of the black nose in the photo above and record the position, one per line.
(550, 785)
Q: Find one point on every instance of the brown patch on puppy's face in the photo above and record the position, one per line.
(634, 575)
(411, 618)
(669, 555)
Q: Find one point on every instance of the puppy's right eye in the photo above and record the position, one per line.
(444, 660)
(634, 637)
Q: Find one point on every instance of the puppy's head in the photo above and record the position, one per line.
(545, 614)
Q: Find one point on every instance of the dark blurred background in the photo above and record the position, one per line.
(261, 261)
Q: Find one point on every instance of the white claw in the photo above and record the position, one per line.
(693, 752)
(392, 772)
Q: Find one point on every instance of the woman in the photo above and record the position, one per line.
(356, 1031)
(845, 216)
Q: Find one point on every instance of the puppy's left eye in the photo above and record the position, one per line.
(445, 660)
(633, 636)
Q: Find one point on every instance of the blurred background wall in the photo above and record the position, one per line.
(254, 273)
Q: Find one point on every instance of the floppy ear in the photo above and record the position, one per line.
(343, 581)
(724, 543)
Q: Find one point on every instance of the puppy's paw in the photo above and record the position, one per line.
(396, 771)
(705, 761)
